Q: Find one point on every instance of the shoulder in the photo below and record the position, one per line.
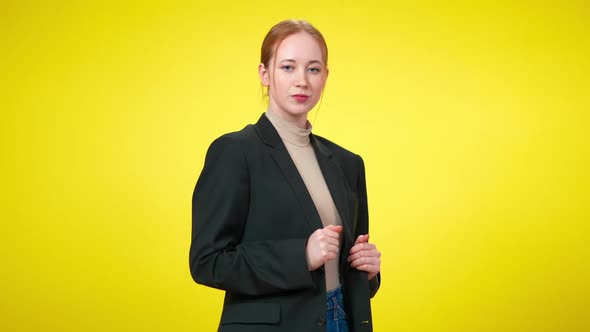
(235, 138)
(232, 143)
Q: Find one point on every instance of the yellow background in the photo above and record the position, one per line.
(472, 119)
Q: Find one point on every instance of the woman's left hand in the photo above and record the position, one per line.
(364, 256)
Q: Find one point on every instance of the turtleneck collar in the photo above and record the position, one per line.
(289, 131)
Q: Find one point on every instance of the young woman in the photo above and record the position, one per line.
(280, 218)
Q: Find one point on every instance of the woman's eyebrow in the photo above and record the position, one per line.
(310, 62)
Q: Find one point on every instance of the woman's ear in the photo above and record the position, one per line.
(263, 73)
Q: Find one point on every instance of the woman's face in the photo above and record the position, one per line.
(296, 77)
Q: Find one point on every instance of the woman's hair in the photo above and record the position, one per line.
(285, 29)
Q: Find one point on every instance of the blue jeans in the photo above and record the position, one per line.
(336, 319)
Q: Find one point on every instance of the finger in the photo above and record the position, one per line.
(330, 251)
(325, 238)
(326, 235)
(330, 256)
(369, 264)
(364, 253)
(334, 228)
(362, 247)
(330, 229)
(362, 239)
(334, 247)
(368, 254)
(361, 264)
(355, 249)
(363, 260)
(371, 269)
(330, 233)
(355, 256)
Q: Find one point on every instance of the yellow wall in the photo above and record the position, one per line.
(472, 120)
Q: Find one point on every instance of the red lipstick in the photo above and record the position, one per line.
(300, 98)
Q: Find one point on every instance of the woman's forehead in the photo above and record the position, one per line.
(299, 47)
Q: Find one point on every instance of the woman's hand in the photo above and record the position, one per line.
(364, 256)
(322, 246)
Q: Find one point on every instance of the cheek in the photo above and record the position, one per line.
(319, 83)
(282, 83)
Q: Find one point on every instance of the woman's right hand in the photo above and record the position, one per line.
(322, 246)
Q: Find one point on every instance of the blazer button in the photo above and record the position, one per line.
(321, 321)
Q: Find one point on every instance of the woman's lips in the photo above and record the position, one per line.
(300, 98)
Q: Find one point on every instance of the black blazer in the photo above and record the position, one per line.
(252, 216)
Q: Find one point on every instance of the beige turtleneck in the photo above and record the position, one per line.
(298, 145)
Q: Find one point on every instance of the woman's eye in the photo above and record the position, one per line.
(287, 68)
(314, 70)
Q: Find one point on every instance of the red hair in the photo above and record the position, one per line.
(284, 29)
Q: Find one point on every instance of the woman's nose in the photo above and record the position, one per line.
(301, 79)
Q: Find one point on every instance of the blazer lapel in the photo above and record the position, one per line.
(332, 172)
(281, 156)
(335, 179)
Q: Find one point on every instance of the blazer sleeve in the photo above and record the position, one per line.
(363, 220)
(218, 257)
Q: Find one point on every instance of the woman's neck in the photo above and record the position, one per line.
(299, 120)
(289, 131)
